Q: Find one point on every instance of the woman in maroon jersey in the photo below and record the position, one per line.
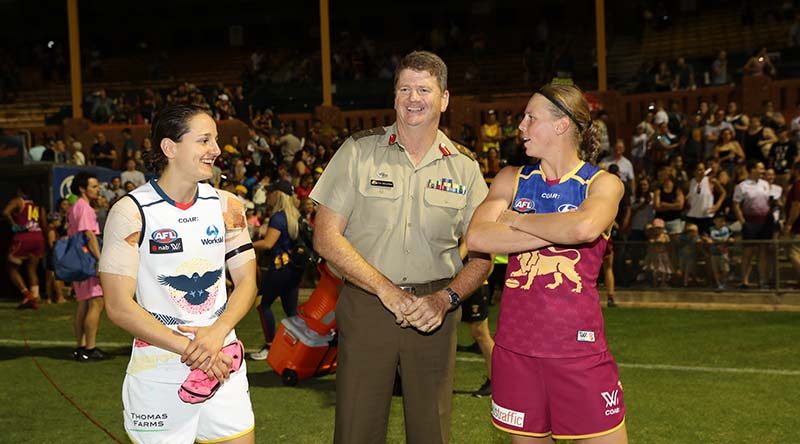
(553, 376)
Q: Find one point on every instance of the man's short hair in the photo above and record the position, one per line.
(81, 180)
(423, 61)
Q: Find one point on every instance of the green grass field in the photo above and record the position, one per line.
(689, 377)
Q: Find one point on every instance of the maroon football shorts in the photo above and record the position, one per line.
(25, 245)
(568, 398)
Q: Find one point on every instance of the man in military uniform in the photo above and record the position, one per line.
(393, 204)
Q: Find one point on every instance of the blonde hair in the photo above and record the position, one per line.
(568, 101)
(286, 204)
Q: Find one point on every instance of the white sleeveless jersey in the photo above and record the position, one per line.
(181, 276)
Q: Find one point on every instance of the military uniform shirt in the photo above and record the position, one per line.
(405, 220)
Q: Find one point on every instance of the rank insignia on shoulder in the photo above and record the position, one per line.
(379, 131)
(465, 151)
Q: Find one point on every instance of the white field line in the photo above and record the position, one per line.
(683, 368)
(48, 343)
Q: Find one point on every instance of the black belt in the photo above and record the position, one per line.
(416, 289)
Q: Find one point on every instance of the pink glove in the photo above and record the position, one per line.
(198, 387)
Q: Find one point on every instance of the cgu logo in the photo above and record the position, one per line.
(164, 235)
(524, 205)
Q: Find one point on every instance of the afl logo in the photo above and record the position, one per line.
(524, 205)
(164, 236)
(566, 208)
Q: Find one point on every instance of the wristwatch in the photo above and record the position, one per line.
(455, 299)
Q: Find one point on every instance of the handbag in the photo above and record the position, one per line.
(72, 260)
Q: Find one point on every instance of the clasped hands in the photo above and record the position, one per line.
(204, 351)
(425, 313)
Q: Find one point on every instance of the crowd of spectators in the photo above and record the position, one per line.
(139, 106)
(272, 153)
(353, 57)
(686, 175)
(695, 182)
(680, 75)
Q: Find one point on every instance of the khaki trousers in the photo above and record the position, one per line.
(371, 347)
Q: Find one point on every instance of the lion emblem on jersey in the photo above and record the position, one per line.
(533, 264)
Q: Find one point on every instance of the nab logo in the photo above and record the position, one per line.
(213, 236)
(566, 208)
(524, 205)
(612, 401)
(165, 241)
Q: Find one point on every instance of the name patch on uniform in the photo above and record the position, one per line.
(524, 205)
(585, 336)
(165, 241)
(381, 183)
(508, 416)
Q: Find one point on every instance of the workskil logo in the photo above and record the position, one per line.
(213, 236)
(524, 205)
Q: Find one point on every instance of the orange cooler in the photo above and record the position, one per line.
(298, 352)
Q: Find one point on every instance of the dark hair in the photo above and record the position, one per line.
(171, 123)
(424, 61)
(753, 163)
(80, 180)
(570, 98)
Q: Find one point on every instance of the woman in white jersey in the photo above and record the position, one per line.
(167, 247)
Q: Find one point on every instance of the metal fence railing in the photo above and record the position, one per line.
(704, 265)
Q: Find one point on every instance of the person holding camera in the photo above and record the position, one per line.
(760, 64)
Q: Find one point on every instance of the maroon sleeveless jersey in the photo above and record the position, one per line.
(29, 216)
(550, 306)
